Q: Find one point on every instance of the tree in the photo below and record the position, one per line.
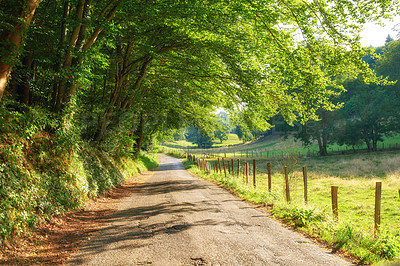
(224, 126)
(321, 131)
(244, 134)
(199, 138)
(349, 133)
(16, 17)
(389, 64)
(113, 58)
(370, 111)
(388, 39)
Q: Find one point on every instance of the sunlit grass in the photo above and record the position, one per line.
(276, 146)
(355, 175)
(233, 139)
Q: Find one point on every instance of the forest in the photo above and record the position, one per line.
(88, 87)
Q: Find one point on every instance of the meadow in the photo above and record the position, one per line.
(273, 146)
(355, 174)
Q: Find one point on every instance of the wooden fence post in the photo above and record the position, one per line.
(334, 193)
(223, 163)
(269, 177)
(254, 173)
(378, 195)
(229, 167)
(233, 170)
(287, 184)
(247, 172)
(219, 166)
(305, 185)
(244, 171)
(238, 170)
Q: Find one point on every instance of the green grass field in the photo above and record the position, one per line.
(355, 175)
(272, 146)
(185, 145)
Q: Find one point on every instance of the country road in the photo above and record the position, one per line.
(174, 218)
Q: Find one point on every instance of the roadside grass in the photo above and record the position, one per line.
(355, 175)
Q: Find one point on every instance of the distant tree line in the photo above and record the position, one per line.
(369, 111)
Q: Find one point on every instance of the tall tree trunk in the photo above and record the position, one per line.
(103, 123)
(374, 141)
(61, 45)
(140, 134)
(13, 42)
(367, 141)
(62, 86)
(23, 89)
(79, 43)
(322, 146)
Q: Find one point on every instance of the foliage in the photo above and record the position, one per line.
(198, 137)
(243, 133)
(174, 63)
(45, 173)
(321, 131)
(369, 110)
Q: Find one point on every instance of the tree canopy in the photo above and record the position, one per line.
(136, 68)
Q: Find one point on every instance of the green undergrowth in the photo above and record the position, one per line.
(46, 171)
(349, 234)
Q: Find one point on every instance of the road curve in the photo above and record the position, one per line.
(174, 218)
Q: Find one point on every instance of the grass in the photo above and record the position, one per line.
(355, 175)
(232, 140)
(275, 146)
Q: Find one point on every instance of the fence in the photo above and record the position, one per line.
(226, 166)
(270, 154)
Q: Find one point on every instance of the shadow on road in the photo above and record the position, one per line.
(131, 225)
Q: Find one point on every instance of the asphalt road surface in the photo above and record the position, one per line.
(174, 218)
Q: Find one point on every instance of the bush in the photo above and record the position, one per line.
(46, 169)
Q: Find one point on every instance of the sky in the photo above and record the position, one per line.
(375, 35)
